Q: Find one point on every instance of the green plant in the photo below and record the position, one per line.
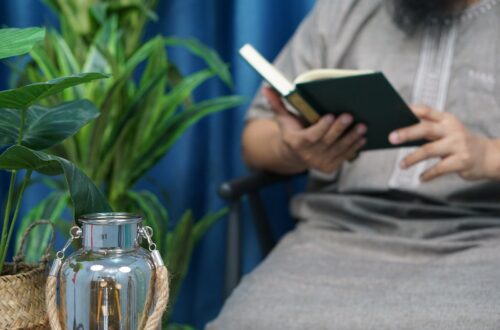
(27, 128)
(145, 107)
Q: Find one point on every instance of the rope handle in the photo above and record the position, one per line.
(46, 255)
(161, 284)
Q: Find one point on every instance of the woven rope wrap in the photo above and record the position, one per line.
(153, 321)
(161, 299)
(51, 301)
(22, 297)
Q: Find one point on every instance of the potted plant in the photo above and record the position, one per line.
(26, 129)
(145, 106)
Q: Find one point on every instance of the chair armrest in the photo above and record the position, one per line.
(234, 189)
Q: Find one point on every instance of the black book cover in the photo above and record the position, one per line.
(369, 98)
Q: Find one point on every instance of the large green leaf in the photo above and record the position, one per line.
(9, 126)
(14, 42)
(46, 127)
(24, 97)
(85, 195)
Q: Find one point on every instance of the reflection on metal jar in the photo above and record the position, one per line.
(108, 283)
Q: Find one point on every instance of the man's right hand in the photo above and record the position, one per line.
(322, 146)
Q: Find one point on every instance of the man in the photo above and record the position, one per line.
(389, 239)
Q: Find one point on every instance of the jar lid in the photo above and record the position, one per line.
(110, 218)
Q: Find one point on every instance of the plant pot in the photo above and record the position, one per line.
(22, 297)
(22, 289)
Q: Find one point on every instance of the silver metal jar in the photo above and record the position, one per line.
(108, 283)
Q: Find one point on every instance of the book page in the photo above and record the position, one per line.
(320, 74)
(272, 75)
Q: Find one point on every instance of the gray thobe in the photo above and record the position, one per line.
(375, 248)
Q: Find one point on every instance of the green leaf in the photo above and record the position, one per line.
(100, 10)
(44, 63)
(85, 196)
(137, 5)
(207, 54)
(24, 97)
(16, 42)
(150, 104)
(95, 61)
(179, 250)
(46, 127)
(67, 63)
(10, 120)
(183, 90)
(174, 129)
(141, 55)
(168, 104)
(186, 119)
(204, 224)
(65, 57)
(51, 208)
(157, 61)
(181, 242)
(155, 213)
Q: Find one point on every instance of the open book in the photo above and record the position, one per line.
(366, 95)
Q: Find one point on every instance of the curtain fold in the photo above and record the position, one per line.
(209, 153)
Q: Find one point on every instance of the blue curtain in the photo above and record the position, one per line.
(210, 152)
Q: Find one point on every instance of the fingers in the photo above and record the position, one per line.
(326, 144)
(353, 151)
(353, 136)
(285, 119)
(428, 129)
(447, 165)
(441, 148)
(422, 131)
(288, 122)
(338, 128)
(316, 132)
(347, 148)
(274, 100)
(335, 160)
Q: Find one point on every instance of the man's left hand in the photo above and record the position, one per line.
(461, 151)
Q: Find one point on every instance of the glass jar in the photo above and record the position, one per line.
(108, 283)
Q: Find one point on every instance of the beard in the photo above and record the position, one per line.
(409, 15)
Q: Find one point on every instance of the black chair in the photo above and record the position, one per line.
(233, 192)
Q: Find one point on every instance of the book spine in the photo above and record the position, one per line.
(305, 109)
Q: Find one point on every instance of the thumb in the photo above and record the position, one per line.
(274, 100)
(285, 119)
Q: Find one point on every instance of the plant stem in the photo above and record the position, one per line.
(26, 181)
(4, 243)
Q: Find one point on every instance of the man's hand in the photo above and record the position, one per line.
(462, 152)
(322, 146)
